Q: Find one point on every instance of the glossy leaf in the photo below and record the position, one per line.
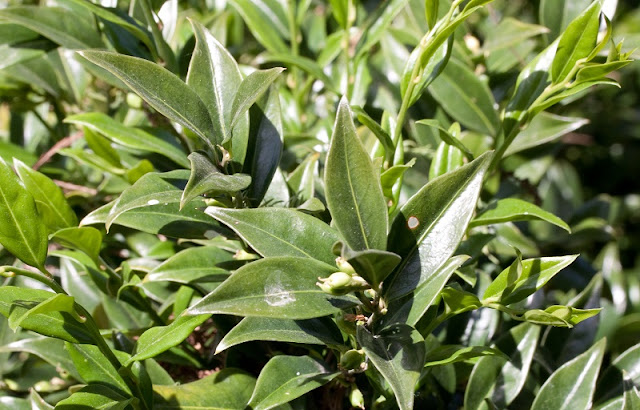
(267, 21)
(192, 265)
(280, 232)
(94, 367)
(512, 209)
(557, 14)
(133, 138)
(85, 239)
(446, 159)
(544, 128)
(353, 191)
(628, 362)
(94, 396)
(55, 303)
(226, 389)
(159, 339)
(577, 42)
(164, 91)
(431, 224)
(250, 89)
(510, 287)
(37, 402)
(277, 287)
(458, 353)
(22, 231)
(373, 265)
(319, 331)
(206, 178)
(285, 378)
(499, 379)
(573, 384)
(398, 352)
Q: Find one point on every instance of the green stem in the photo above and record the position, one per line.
(44, 277)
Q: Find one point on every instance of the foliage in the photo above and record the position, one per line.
(310, 204)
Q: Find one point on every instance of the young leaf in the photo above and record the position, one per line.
(159, 339)
(353, 191)
(50, 201)
(94, 367)
(280, 232)
(129, 137)
(535, 274)
(319, 331)
(398, 352)
(430, 225)
(22, 231)
(163, 90)
(192, 265)
(500, 379)
(573, 384)
(206, 178)
(285, 378)
(85, 239)
(94, 396)
(512, 209)
(277, 287)
(427, 74)
(250, 89)
(576, 42)
(227, 389)
(382, 135)
(458, 353)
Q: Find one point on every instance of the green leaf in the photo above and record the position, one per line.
(151, 190)
(163, 90)
(192, 265)
(512, 209)
(377, 24)
(280, 232)
(557, 14)
(509, 33)
(544, 128)
(596, 71)
(610, 384)
(159, 339)
(10, 151)
(15, 55)
(379, 132)
(398, 352)
(372, 264)
(499, 379)
(308, 65)
(267, 21)
(427, 74)
(285, 378)
(278, 287)
(228, 389)
(430, 225)
(353, 191)
(412, 307)
(50, 201)
(319, 331)
(94, 367)
(129, 137)
(48, 349)
(56, 303)
(458, 353)
(431, 11)
(446, 159)
(466, 98)
(576, 42)
(22, 231)
(250, 89)
(37, 402)
(214, 75)
(85, 239)
(94, 396)
(457, 301)
(70, 30)
(206, 178)
(535, 274)
(573, 384)
(556, 315)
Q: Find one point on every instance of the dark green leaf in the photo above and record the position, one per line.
(280, 232)
(57, 302)
(285, 378)
(278, 287)
(610, 384)
(398, 352)
(458, 353)
(512, 209)
(353, 191)
(382, 135)
(162, 89)
(250, 89)
(192, 265)
(228, 389)
(373, 265)
(378, 23)
(94, 396)
(319, 331)
(206, 178)
(573, 384)
(94, 367)
(85, 239)
(430, 225)
(128, 137)
(22, 231)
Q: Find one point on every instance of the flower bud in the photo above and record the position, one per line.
(356, 398)
(344, 266)
(352, 360)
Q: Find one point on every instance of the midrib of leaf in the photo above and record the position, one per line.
(352, 191)
(283, 293)
(474, 107)
(51, 204)
(389, 359)
(105, 371)
(573, 50)
(15, 221)
(216, 91)
(578, 382)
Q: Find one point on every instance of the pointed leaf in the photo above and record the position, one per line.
(285, 378)
(94, 367)
(430, 225)
(250, 89)
(628, 362)
(446, 159)
(512, 209)
(56, 303)
(280, 232)
(206, 178)
(573, 384)
(95, 396)
(192, 265)
(85, 239)
(129, 137)
(398, 352)
(458, 353)
(278, 287)
(373, 265)
(22, 231)
(353, 191)
(319, 331)
(557, 14)
(163, 90)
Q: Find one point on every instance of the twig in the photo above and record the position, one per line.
(63, 143)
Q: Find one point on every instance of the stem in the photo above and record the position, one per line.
(44, 277)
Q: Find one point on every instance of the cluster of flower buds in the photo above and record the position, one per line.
(343, 281)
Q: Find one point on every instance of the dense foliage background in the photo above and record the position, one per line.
(143, 200)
